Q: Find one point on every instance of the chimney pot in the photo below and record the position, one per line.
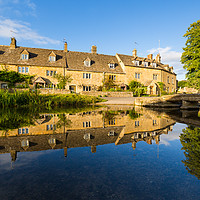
(134, 53)
(13, 43)
(150, 56)
(94, 49)
(158, 58)
(65, 47)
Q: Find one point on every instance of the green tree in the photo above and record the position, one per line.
(191, 55)
(13, 77)
(182, 84)
(137, 88)
(109, 84)
(190, 140)
(63, 80)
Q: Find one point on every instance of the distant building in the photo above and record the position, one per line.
(88, 70)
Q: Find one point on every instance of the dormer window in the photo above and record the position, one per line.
(136, 62)
(52, 57)
(87, 62)
(154, 65)
(146, 64)
(111, 65)
(25, 55)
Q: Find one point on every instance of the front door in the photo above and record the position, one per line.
(72, 88)
(151, 89)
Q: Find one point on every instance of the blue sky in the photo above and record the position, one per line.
(114, 26)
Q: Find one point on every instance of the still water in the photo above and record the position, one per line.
(99, 153)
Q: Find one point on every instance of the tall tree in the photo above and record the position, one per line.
(191, 55)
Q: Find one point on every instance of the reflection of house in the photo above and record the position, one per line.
(88, 70)
(83, 129)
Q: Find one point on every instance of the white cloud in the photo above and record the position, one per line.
(171, 57)
(22, 30)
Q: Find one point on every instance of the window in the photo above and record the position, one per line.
(136, 62)
(24, 57)
(47, 127)
(154, 65)
(112, 77)
(155, 76)
(173, 81)
(87, 63)
(112, 122)
(86, 75)
(23, 69)
(19, 131)
(111, 65)
(86, 124)
(86, 88)
(52, 58)
(111, 133)
(27, 131)
(50, 73)
(154, 122)
(137, 123)
(27, 69)
(19, 69)
(146, 64)
(137, 75)
(168, 79)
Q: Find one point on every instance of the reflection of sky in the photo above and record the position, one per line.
(172, 135)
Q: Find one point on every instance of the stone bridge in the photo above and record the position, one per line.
(184, 101)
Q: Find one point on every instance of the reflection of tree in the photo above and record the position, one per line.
(13, 119)
(190, 139)
(133, 114)
(63, 121)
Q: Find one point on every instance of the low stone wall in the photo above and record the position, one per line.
(54, 91)
(109, 94)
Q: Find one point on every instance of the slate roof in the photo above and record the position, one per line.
(99, 62)
(72, 60)
(37, 56)
(128, 61)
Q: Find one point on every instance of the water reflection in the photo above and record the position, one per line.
(64, 130)
(190, 140)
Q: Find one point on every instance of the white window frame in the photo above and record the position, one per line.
(52, 58)
(87, 63)
(111, 65)
(154, 65)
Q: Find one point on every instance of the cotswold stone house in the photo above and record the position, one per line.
(88, 70)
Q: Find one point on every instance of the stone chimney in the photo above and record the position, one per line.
(94, 49)
(13, 43)
(150, 56)
(65, 47)
(158, 58)
(134, 52)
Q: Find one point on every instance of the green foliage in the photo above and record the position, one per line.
(133, 114)
(182, 84)
(28, 98)
(109, 84)
(190, 140)
(13, 77)
(162, 88)
(191, 56)
(15, 118)
(137, 88)
(63, 80)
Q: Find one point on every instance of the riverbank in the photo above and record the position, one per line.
(29, 98)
